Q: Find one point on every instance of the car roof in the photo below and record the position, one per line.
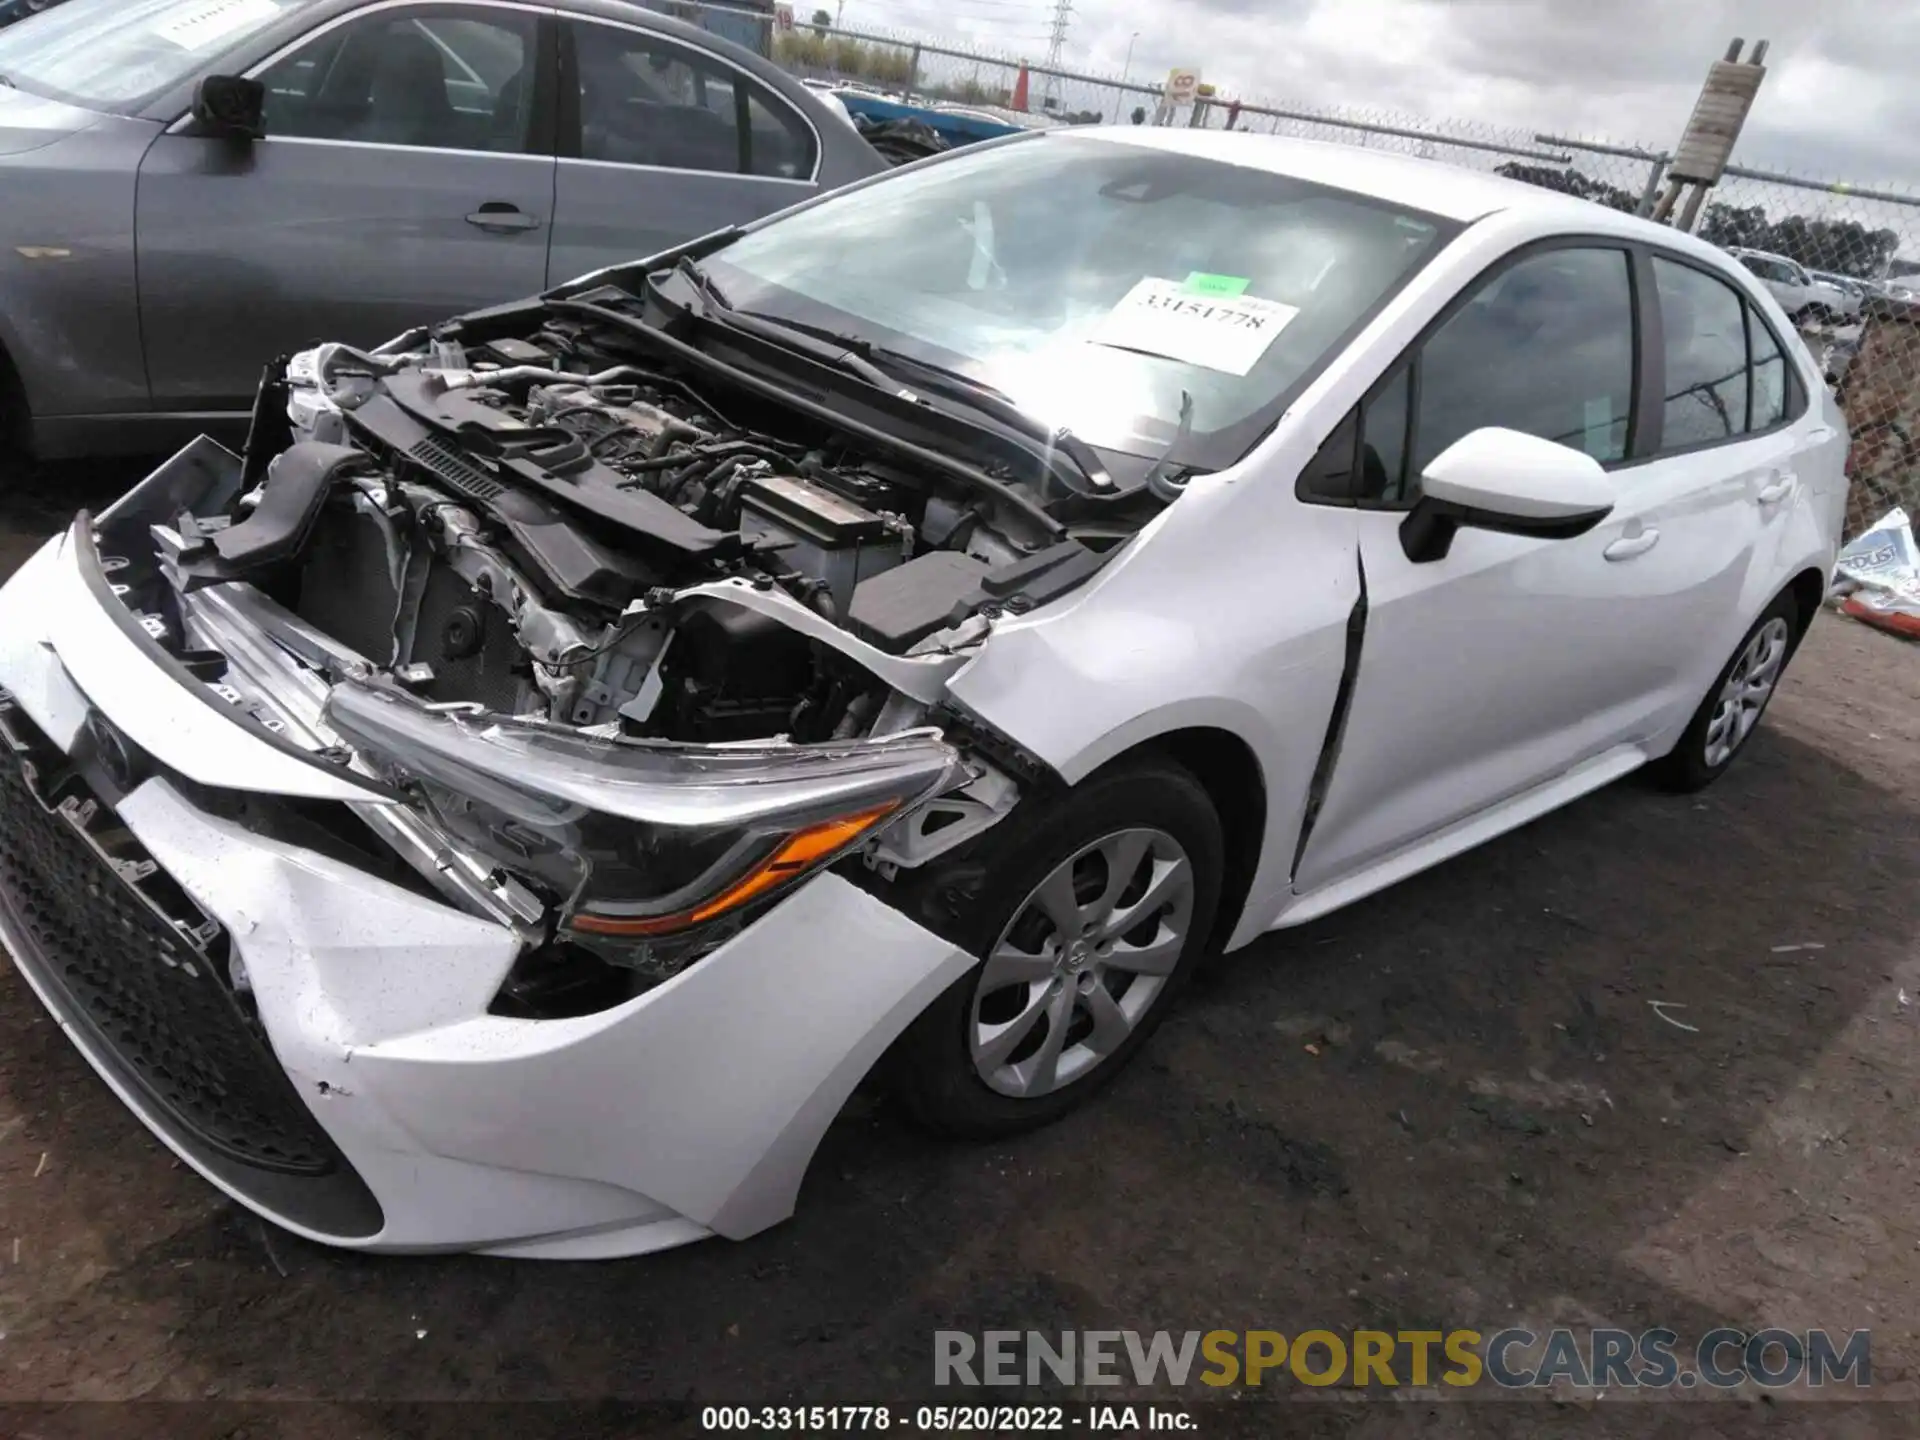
(1430, 185)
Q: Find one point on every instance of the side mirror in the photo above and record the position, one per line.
(230, 107)
(1496, 479)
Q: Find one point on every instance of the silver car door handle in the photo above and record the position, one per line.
(1628, 546)
(1775, 490)
(503, 218)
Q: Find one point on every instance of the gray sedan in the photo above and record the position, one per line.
(194, 187)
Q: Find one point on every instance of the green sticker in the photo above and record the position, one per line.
(1199, 284)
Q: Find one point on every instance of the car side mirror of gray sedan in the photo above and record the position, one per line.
(231, 107)
(1499, 479)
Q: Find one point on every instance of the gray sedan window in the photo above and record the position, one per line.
(442, 78)
(644, 101)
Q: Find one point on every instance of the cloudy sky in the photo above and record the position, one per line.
(1840, 98)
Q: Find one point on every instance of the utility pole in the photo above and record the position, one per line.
(1708, 141)
(839, 11)
(1056, 42)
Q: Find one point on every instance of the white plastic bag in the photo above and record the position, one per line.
(1879, 574)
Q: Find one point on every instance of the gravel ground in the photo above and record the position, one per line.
(1451, 1105)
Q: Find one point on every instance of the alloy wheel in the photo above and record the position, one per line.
(1083, 959)
(1749, 685)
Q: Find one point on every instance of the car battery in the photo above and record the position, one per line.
(820, 534)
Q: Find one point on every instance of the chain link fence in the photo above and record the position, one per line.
(958, 74)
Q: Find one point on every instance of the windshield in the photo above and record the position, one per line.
(105, 54)
(1096, 283)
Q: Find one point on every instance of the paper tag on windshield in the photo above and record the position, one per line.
(1228, 333)
(206, 25)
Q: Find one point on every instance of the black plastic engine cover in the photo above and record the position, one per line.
(930, 592)
(558, 549)
(911, 601)
(590, 487)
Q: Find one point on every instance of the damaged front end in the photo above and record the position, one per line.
(596, 662)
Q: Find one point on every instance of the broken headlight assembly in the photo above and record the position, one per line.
(655, 851)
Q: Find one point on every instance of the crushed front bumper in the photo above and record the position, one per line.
(316, 1040)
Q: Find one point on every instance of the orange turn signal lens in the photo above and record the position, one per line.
(796, 855)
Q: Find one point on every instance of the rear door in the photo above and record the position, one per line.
(406, 175)
(1723, 470)
(662, 141)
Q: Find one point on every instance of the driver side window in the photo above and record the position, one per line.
(1544, 346)
(442, 78)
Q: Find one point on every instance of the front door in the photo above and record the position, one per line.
(406, 175)
(1512, 659)
(662, 142)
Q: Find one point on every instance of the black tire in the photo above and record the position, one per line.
(976, 896)
(1690, 765)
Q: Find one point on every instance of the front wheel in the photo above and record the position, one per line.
(1087, 916)
(1731, 712)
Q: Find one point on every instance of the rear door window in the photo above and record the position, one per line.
(1770, 390)
(1705, 326)
(646, 101)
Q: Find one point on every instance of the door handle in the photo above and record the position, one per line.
(1628, 546)
(502, 218)
(1777, 488)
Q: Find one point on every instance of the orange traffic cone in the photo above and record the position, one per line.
(1020, 90)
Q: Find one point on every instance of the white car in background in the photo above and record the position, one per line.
(1807, 298)
(514, 805)
(1845, 284)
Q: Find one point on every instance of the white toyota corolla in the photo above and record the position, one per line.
(515, 803)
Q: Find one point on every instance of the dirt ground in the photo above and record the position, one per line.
(1451, 1105)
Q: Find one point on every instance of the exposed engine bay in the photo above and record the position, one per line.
(525, 525)
(641, 642)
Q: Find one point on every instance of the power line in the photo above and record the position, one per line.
(1056, 42)
(1006, 25)
(1015, 9)
(1020, 22)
